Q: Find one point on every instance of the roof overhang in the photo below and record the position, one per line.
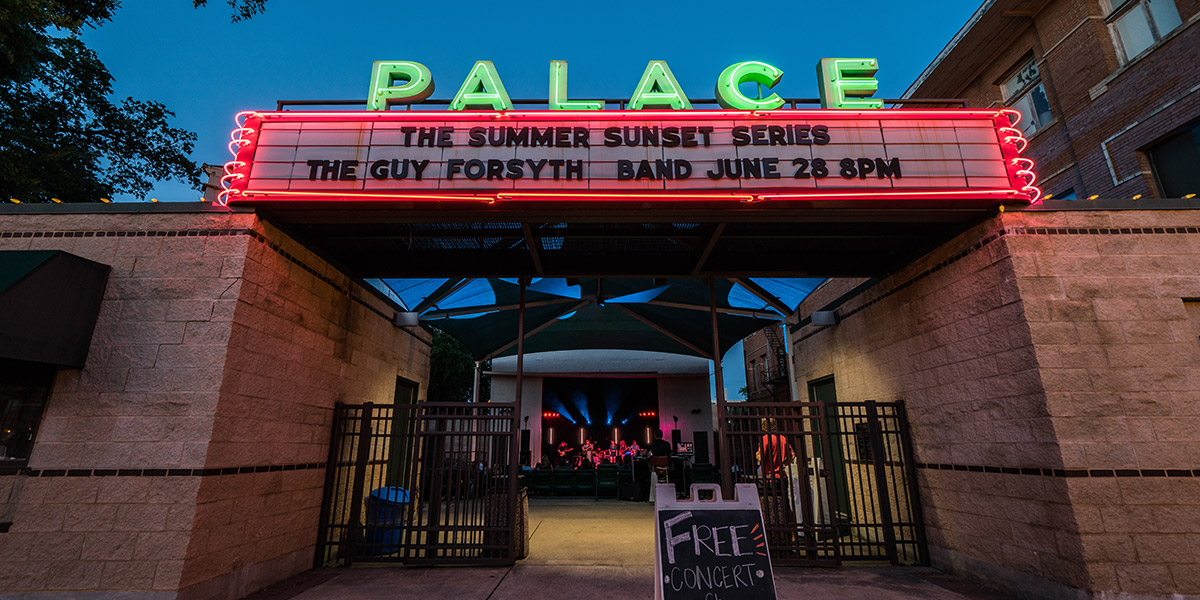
(987, 34)
(512, 239)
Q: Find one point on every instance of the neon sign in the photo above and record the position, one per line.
(853, 157)
(844, 83)
(659, 149)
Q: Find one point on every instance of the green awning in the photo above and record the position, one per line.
(49, 301)
(16, 264)
(658, 315)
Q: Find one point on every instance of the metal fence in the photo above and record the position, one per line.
(835, 480)
(422, 483)
(435, 483)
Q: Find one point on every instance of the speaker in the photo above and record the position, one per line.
(701, 439)
(525, 447)
(676, 437)
(406, 319)
(824, 317)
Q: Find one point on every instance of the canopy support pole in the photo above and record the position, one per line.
(514, 446)
(520, 359)
(478, 377)
(723, 444)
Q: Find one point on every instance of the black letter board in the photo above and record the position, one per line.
(711, 549)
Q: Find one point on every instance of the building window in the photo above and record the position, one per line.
(1025, 93)
(1174, 161)
(1137, 24)
(1067, 195)
(24, 387)
(1192, 306)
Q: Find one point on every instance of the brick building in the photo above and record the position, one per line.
(766, 366)
(1109, 90)
(1049, 359)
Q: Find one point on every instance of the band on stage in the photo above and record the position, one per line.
(590, 454)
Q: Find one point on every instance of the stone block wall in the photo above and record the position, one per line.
(303, 338)
(110, 498)
(1105, 296)
(165, 449)
(1050, 373)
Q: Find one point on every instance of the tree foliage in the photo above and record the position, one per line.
(242, 9)
(61, 136)
(452, 371)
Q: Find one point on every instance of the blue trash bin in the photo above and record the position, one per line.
(385, 521)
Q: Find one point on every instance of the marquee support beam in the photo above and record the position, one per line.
(712, 243)
(534, 249)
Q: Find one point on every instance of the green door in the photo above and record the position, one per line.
(824, 391)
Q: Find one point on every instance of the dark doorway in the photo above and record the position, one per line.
(824, 391)
(400, 457)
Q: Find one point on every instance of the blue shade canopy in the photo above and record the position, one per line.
(661, 315)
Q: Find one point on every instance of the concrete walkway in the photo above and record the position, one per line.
(581, 549)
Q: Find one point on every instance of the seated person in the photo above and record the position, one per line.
(660, 447)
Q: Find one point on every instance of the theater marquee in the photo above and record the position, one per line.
(841, 156)
(684, 155)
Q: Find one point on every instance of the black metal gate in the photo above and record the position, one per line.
(836, 480)
(420, 483)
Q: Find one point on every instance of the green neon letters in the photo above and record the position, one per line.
(482, 90)
(558, 91)
(730, 97)
(418, 83)
(658, 89)
(848, 83)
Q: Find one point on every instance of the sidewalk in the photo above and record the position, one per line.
(580, 549)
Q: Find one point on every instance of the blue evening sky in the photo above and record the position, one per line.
(206, 69)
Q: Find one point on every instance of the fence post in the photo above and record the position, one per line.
(365, 438)
(878, 453)
(914, 494)
(331, 469)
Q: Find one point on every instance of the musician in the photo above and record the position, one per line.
(587, 450)
(563, 450)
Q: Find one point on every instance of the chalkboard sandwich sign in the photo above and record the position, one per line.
(711, 549)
